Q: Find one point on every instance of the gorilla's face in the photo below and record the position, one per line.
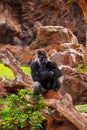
(42, 58)
(43, 61)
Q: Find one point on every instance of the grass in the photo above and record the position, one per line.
(81, 108)
(82, 68)
(8, 74)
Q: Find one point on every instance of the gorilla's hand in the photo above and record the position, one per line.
(51, 73)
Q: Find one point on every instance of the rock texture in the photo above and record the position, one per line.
(59, 42)
(20, 19)
(57, 121)
(19, 22)
(83, 4)
(54, 100)
(53, 35)
(75, 84)
(61, 46)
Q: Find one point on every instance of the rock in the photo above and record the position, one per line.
(53, 95)
(23, 54)
(9, 27)
(2, 89)
(69, 57)
(83, 4)
(61, 45)
(75, 84)
(23, 18)
(59, 42)
(66, 53)
(51, 35)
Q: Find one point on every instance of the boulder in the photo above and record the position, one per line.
(2, 88)
(53, 35)
(83, 4)
(61, 45)
(75, 84)
(59, 42)
(69, 57)
(66, 52)
(28, 16)
(8, 26)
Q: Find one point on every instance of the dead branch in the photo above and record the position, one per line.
(66, 108)
(21, 78)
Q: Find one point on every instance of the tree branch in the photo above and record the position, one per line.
(21, 78)
(66, 108)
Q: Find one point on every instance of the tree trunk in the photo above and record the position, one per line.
(66, 108)
(21, 79)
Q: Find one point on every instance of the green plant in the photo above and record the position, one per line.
(70, 1)
(7, 73)
(81, 108)
(22, 109)
(82, 68)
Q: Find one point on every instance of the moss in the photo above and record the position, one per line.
(70, 1)
(81, 108)
(82, 68)
(8, 74)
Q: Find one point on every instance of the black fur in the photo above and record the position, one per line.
(45, 74)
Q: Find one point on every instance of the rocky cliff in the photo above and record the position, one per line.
(61, 27)
(19, 22)
(20, 19)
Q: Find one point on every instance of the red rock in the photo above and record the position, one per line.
(22, 19)
(52, 94)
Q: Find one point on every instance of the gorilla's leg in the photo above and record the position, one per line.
(38, 89)
(58, 83)
(60, 80)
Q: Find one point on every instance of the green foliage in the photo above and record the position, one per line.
(7, 73)
(49, 112)
(21, 110)
(26, 69)
(82, 68)
(81, 108)
(70, 1)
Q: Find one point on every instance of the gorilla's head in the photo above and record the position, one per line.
(42, 57)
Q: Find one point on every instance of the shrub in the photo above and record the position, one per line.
(21, 110)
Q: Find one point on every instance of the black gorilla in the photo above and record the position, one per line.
(45, 74)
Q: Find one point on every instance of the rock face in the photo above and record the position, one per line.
(53, 35)
(61, 46)
(83, 4)
(9, 27)
(75, 84)
(59, 42)
(20, 20)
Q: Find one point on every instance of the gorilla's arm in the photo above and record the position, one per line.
(57, 77)
(53, 67)
(38, 74)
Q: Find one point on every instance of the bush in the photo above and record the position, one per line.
(21, 110)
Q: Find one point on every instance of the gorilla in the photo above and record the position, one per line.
(45, 74)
